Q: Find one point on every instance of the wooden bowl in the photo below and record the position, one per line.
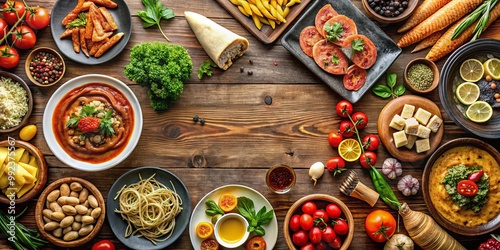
(321, 201)
(29, 59)
(429, 64)
(412, 4)
(29, 96)
(40, 206)
(492, 224)
(41, 174)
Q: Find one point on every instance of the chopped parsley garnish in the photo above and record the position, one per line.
(358, 44)
(461, 172)
(335, 59)
(105, 125)
(334, 31)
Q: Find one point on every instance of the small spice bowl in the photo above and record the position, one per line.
(418, 70)
(44, 66)
(280, 179)
(412, 5)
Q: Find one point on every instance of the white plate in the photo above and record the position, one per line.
(238, 190)
(75, 83)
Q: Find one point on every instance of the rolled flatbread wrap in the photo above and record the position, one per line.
(221, 44)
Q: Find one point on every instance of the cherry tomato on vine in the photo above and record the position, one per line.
(103, 245)
(333, 211)
(346, 128)
(340, 227)
(37, 17)
(9, 11)
(476, 176)
(3, 28)
(295, 223)
(344, 108)
(378, 222)
(371, 142)
(467, 188)
(315, 235)
(319, 215)
(360, 119)
(368, 159)
(9, 57)
(328, 234)
(306, 221)
(24, 37)
(334, 138)
(300, 238)
(309, 208)
(335, 165)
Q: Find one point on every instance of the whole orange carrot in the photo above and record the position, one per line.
(445, 16)
(428, 41)
(425, 10)
(445, 45)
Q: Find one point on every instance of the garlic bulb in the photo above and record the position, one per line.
(316, 170)
(408, 185)
(392, 168)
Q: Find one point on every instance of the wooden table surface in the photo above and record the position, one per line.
(243, 136)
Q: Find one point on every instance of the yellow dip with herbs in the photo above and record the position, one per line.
(469, 156)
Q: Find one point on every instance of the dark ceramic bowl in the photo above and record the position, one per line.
(489, 226)
(450, 78)
(412, 5)
(28, 95)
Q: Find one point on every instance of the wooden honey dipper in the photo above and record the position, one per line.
(354, 188)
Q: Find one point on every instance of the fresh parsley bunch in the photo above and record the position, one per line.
(155, 11)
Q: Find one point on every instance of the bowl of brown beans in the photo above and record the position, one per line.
(70, 212)
(44, 66)
(421, 76)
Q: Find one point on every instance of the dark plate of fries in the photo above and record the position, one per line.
(93, 32)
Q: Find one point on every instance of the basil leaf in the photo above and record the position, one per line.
(391, 79)
(260, 231)
(267, 217)
(382, 91)
(246, 208)
(399, 90)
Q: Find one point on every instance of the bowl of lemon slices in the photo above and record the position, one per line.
(469, 87)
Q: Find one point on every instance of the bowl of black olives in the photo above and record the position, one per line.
(389, 11)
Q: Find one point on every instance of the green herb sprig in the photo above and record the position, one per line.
(213, 208)
(80, 21)
(333, 31)
(155, 11)
(483, 13)
(255, 220)
(391, 89)
(206, 68)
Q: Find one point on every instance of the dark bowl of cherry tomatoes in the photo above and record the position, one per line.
(318, 221)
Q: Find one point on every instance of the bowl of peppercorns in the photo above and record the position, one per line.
(389, 11)
(45, 66)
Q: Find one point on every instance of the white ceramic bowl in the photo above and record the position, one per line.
(223, 222)
(77, 82)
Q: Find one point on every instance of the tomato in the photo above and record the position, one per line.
(307, 38)
(380, 221)
(348, 29)
(371, 142)
(340, 227)
(330, 58)
(336, 243)
(367, 56)
(9, 11)
(334, 138)
(360, 119)
(321, 246)
(344, 108)
(9, 57)
(476, 176)
(300, 238)
(355, 78)
(320, 214)
(209, 244)
(204, 230)
(333, 211)
(306, 221)
(227, 202)
(3, 28)
(103, 245)
(467, 188)
(368, 159)
(335, 165)
(324, 14)
(37, 18)
(295, 223)
(308, 246)
(346, 128)
(328, 234)
(24, 37)
(309, 208)
(315, 235)
(28, 132)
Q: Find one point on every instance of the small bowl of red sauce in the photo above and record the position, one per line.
(44, 67)
(280, 179)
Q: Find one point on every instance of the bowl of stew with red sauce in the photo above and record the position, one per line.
(92, 122)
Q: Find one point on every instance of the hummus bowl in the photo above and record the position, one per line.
(469, 152)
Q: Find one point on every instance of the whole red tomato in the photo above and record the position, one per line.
(333, 211)
(300, 238)
(315, 235)
(360, 119)
(295, 222)
(321, 245)
(368, 159)
(319, 215)
(12, 11)
(103, 245)
(328, 234)
(9, 57)
(335, 165)
(309, 208)
(308, 246)
(380, 225)
(346, 128)
(37, 17)
(336, 243)
(24, 37)
(3, 28)
(334, 138)
(467, 188)
(340, 227)
(344, 108)
(371, 142)
(306, 221)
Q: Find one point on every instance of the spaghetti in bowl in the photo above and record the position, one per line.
(92, 122)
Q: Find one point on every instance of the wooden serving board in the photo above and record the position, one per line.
(385, 132)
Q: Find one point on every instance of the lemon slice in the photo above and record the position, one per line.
(467, 93)
(349, 150)
(479, 111)
(492, 68)
(471, 70)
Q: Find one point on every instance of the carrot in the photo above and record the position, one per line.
(428, 41)
(445, 45)
(425, 10)
(445, 16)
